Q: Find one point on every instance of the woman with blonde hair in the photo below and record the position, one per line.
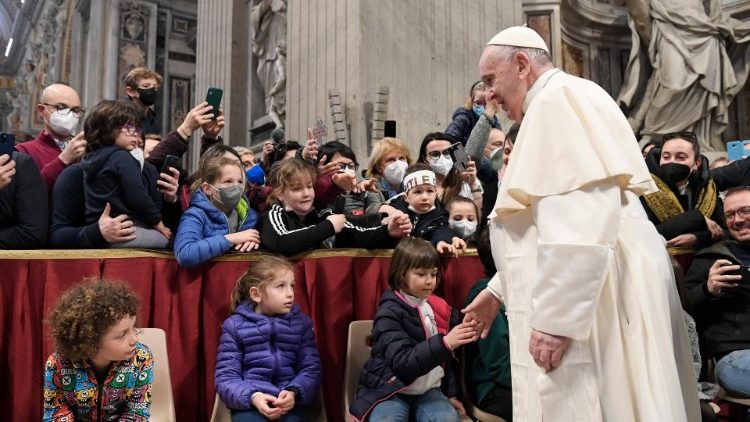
(389, 160)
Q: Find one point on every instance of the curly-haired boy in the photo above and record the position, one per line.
(99, 370)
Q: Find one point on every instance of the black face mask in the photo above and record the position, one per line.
(147, 96)
(675, 172)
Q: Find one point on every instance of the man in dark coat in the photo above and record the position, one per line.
(718, 284)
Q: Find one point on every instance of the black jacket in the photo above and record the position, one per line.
(724, 319)
(24, 208)
(112, 175)
(283, 232)
(68, 227)
(734, 174)
(690, 221)
(401, 352)
(432, 226)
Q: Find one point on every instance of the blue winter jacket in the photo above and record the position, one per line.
(266, 354)
(200, 236)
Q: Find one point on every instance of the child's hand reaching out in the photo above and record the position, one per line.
(459, 244)
(263, 403)
(445, 248)
(461, 334)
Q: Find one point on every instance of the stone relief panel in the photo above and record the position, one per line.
(41, 65)
(133, 42)
(542, 24)
(268, 21)
(575, 60)
(179, 101)
(604, 70)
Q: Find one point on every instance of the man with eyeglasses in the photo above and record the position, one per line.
(718, 284)
(56, 147)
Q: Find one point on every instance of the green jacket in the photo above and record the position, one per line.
(488, 360)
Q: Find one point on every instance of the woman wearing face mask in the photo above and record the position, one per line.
(219, 217)
(687, 209)
(389, 160)
(435, 152)
(465, 118)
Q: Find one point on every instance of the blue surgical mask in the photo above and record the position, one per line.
(478, 110)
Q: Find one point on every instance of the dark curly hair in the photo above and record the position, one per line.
(86, 312)
(104, 121)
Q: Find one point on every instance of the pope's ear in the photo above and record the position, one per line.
(523, 63)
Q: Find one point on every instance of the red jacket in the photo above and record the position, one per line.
(44, 151)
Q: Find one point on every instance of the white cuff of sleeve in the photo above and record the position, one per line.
(494, 287)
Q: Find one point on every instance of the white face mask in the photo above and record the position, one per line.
(442, 165)
(137, 153)
(394, 172)
(463, 228)
(63, 124)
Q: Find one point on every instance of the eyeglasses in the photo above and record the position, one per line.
(688, 136)
(65, 110)
(434, 155)
(348, 166)
(480, 103)
(743, 212)
(131, 130)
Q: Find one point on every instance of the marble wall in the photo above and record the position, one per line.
(425, 52)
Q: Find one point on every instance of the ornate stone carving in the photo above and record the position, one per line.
(40, 66)
(133, 41)
(268, 21)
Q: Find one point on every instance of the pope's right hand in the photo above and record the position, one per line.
(483, 309)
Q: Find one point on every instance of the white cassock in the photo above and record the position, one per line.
(577, 257)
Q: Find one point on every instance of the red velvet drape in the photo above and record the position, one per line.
(334, 287)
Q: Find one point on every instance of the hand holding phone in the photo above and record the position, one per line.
(460, 157)
(170, 161)
(213, 98)
(7, 144)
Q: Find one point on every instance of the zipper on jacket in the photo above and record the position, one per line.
(274, 351)
(99, 403)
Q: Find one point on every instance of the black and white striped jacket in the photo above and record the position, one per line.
(285, 233)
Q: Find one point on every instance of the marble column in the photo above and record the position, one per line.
(221, 62)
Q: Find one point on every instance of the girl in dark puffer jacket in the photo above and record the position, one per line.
(411, 373)
(268, 367)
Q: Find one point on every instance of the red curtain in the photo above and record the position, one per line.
(334, 287)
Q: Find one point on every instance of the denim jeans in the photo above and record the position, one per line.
(733, 373)
(296, 415)
(431, 406)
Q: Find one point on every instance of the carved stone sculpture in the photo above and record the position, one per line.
(686, 65)
(268, 20)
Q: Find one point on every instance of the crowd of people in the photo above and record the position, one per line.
(118, 184)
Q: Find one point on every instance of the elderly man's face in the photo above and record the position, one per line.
(737, 214)
(505, 81)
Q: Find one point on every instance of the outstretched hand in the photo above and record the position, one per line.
(483, 309)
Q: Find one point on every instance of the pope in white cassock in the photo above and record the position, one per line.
(596, 330)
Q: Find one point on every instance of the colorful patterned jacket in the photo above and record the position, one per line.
(71, 391)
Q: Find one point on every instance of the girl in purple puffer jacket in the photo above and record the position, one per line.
(268, 366)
